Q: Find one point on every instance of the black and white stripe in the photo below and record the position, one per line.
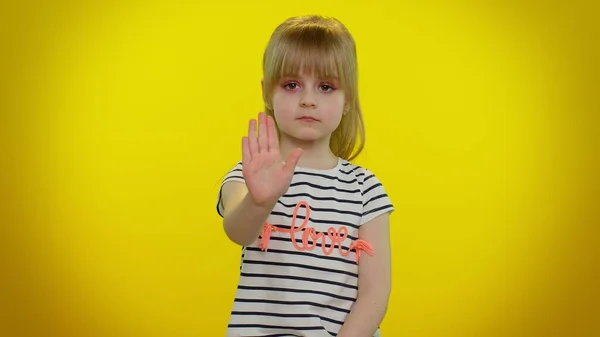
(284, 291)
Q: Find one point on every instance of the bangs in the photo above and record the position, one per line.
(315, 51)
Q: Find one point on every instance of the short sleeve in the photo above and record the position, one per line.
(375, 199)
(235, 174)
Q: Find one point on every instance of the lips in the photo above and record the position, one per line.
(308, 119)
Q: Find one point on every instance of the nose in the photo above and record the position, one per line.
(308, 101)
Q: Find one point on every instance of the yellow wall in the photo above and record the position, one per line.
(479, 121)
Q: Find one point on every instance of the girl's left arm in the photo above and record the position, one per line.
(374, 281)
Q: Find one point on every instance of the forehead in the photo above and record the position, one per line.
(312, 59)
(315, 55)
(323, 66)
(310, 74)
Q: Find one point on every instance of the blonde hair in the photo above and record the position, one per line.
(326, 47)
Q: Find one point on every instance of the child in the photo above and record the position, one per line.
(315, 227)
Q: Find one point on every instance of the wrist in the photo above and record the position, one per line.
(259, 207)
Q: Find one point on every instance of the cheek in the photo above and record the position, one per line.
(283, 106)
(277, 98)
(335, 108)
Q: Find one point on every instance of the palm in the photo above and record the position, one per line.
(267, 176)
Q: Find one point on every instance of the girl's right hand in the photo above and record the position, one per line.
(267, 177)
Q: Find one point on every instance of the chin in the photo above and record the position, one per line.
(307, 135)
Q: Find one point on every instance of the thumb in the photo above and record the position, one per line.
(292, 160)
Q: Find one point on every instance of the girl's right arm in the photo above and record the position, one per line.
(243, 219)
(247, 205)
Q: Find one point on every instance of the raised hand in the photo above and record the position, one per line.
(267, 176)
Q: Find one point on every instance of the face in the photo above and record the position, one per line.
(307, 108)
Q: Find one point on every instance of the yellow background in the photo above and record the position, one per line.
(119, 119)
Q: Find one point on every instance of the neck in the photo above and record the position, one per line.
(315, 154)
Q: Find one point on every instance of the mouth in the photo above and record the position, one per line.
(308, 119)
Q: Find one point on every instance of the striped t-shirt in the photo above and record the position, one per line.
(306, 286)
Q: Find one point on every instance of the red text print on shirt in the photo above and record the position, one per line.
(332, 237)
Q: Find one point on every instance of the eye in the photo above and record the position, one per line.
(326, 88)
(291, 86)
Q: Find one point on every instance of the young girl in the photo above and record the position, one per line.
(314, 228)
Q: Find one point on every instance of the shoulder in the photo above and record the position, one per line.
(235, 173)
(361, 174)
(232, 187)
(375, 199)
(235, 168)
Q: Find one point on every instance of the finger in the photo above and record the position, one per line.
(252, 142)
(262, 133)
(292, 161)
(273, 141)
(246, 155)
